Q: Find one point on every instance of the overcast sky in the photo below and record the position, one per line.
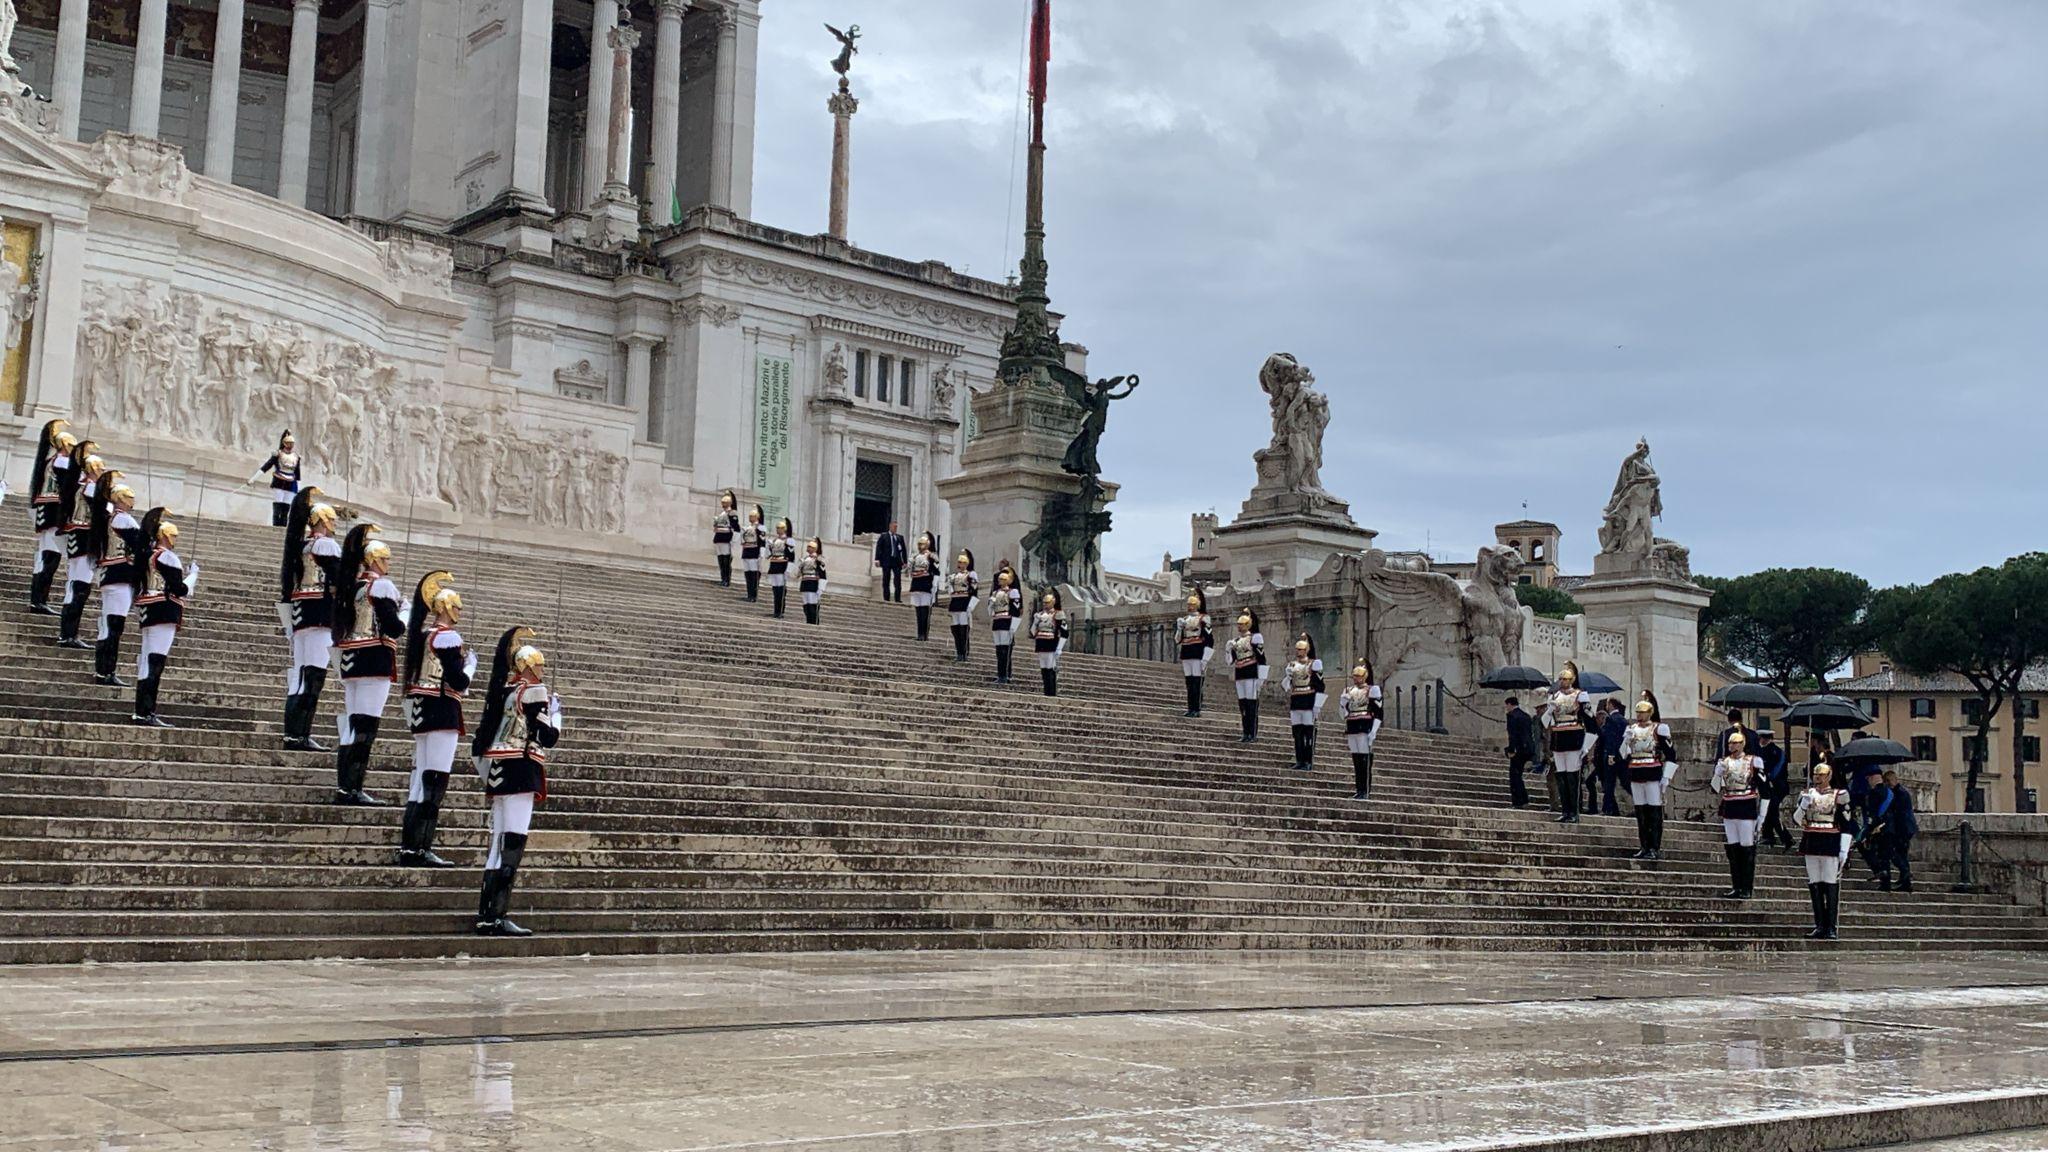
(1801, 247)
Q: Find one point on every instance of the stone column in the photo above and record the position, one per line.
(224, 95)
(597, 107)
(665, 141)
(723, 101)
(370, 104)
(68, 84)
(146, 84)
(842, 105)
(530, 127)
(618, 182)
(639, 373)
(294, 164)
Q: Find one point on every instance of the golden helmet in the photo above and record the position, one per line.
(166, 531)
(1570, 674)
(1735, 739)
(122, 495)
(437, 592)
(1360, 672)
(64, 441)
(1050, 600)
(94, 466)
(963, 560)
(321, 516)
(1301, 647)
(814, 546)
(1195, 603)
(1645, 708)
(377, 552)
(527, 658)
(1244, 621)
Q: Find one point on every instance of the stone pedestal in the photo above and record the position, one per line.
(1009, 473)
(1286, 549)
(1661, 614)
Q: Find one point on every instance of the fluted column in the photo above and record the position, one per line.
(146, 83)
(842, 105)
(67, 86)
(724, 100)
(597, 105)
(370, 102)
(224, 94)
(665, 137)
(296, 158)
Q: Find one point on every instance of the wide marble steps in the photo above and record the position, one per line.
(730, 782)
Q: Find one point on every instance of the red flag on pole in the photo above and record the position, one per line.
(1041, 58)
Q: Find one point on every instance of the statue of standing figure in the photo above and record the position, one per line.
(1300, 417)
(1627, 526)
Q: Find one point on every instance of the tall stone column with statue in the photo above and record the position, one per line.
(1642, 585)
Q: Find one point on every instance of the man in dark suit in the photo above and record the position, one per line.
(891, 554)
(1521, 750)
(1735, 725)
(1775, 788)
(1901, 825)
(1608, 754)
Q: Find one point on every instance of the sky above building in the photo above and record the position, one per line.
(1800, 247)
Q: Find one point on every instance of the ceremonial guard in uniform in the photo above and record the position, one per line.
(47, 484)
(438, 669)
(961, 590)
(520, 722)
(725, 524)
(1649, 759)
(1305, 696)
(81, 564)
(1195, 639)
(1823, 819)
(166, 585)
(1363, 708)
(121, 547)
(1569, 716)
(1246, 652)
(753, 540)
(810, 579)
(367, 624)
(312, 561)
(1736, 779)
(1005, 610)
(924, 573)
(283, 466)
(781, 553)
(1049, 639)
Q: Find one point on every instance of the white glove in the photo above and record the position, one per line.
(192, 580)
(3, 491)
(405, 615)
(1670, 771)
(284, 617)
(555, 713)
(469, 666)
(254, 476)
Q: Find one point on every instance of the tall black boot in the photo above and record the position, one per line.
(279, 513)
(1642, 852)
(1050, 679)
(74, 611)
(299, 735)
(1361, 776)
(1244, 721)
(1195, 691)
(782, 593)
(409, 833)
(1833, 893)
(145, 694)
(1187, 684)
(1300, 759)
(753, 587)
(422, 817)
(498, 898)
(39, 584)
(959, 644)
(1818, 893)
(1734, 854)
(1748, 871)
(813, 613)
(924, 621)
(108, 654)
(352, 762)
(1568, 797)
(1656, 832)
(1308, 746)
(725, 571)
(1253, 707)
(1003, 663)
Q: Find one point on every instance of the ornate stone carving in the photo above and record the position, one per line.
(416, 265)
(1300, 416)
(20, 105)
(152, 360)
(834, 386)
(1479, 623)
(832, 290)
(582, 381)
(942, 390)
(699, 309)
(1628, 538)
(142, 166)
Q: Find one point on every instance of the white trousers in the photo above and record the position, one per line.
(115, 600)
(963, 618)
(1646, 795)
(1301, 716)
(750, 564)
(431, 752)
(1048, 660)
(724, 549)
(778, 579)
(1360, 742)
(78, 570)
(1823, 870)
(920, 599)
(362, 696)
(46, 541)
(1741, 832)
(282, 496)
(1191, 667)
(156, 641)
(311, 648)
(1568, 762)
(811, 597)
(1248, 689)
(1002, 637)
(510, 816)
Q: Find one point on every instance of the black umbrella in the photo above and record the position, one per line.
(1597, 683)
(1749, 696)
(1874, 750)
(1515, 676)
(1826, 712)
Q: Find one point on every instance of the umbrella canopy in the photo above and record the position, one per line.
(1515, 676)
(1874, 750)
(1749, 696)
(1597, 683)
(1829, 712)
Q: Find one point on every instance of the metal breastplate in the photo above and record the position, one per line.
(514, 733)
(1639, 743)
(1240, 650)
(1190, 630)
(364, 626)
(781, 548)
(1564, 710)
(431, 677)
(1738, 777)
(807, 568)
(1357, 701)
(958, 583)
(1045, 625)
(920, 566)
(153, 578)
(311, 577)
(1300, 678)
(288, 465)
(120, 546)
(1003, 607)
(46, 484)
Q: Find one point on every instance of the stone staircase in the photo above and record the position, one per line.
(733, 783)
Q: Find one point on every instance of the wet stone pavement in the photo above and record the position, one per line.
(1025, 1051)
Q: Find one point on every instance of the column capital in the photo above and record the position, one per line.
(623, 36)
(672, 9)
(728, 19)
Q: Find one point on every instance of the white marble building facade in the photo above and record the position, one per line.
(417, 283)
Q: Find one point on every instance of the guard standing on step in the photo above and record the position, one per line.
(1823, 818)
(1305, 696)
(1648, 757)
(725, 524)
(1737, 777)
(47, 484)
(367, 625)
(166, 585)
(924, 574)
(781, 553)
(1246, 652)
(438, 669)
(1005, 610)
(1569, 717)
(810, 579)
(753, 541)
(961, 590)
(118, 542)
(312, 560)
(1363, 707)
(283, 466)
(1195, 638)
(521, 721)
(1049, 639)
(80, 563)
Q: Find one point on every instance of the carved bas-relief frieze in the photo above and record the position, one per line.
(172, 365)
(833, 290)
(416, 265)
(142, 166)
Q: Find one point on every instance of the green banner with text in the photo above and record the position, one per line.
(772, 407)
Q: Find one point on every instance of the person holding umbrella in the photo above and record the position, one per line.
(1774, 789)
(1903, 826)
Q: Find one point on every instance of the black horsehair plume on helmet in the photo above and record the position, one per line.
(46, 447)
(1254, 614)
(1058, 602)
(282, 437)
(784, 527)
(151, 521)
(760, 514)
(969, 553)
(1200, 598)
(1312, 654)
(423, 595)
(345, 582)
(102, 523)
(494, 701)
(295, 539)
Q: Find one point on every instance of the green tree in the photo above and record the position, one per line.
(1553, 602)
(1711, 641)
(1789, 623)
(1988, 627)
